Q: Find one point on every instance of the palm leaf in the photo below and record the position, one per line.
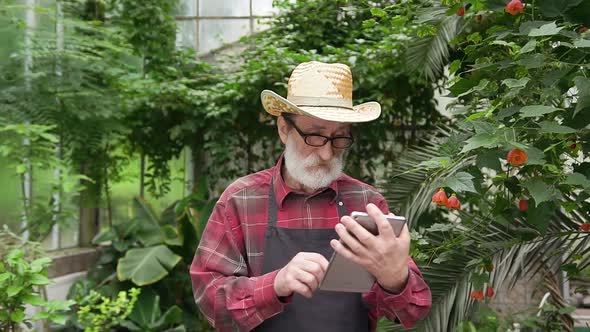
(411, 188)
(429, 54)
(514, 258)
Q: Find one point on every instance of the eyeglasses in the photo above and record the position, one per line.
(316, 140)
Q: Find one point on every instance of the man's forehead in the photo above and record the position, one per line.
(315, 123)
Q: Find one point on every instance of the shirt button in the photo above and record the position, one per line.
(340, 203)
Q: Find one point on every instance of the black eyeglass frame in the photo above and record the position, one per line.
(326, 139)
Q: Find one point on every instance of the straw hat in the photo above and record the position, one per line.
(321, 90)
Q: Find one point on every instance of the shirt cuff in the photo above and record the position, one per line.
(397, 301)
(267, 302)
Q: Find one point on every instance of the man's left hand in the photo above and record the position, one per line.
(385, 256)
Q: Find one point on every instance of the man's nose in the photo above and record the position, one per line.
(326, 152)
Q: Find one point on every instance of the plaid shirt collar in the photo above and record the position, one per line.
(282, 190)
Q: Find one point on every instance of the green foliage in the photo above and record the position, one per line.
(99, 313)
(147, 316)
(145, 266)
(20, 280)
(519, 82)
(153, 253)
(545, 318)
(241, 138)
(39, 153)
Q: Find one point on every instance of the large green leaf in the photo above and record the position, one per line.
(541, 215)
(146, 266)
(545, 30)
(531, 61)
(147, 316)
(582, 43)
(554, 8)
(512, 83)
(537, 110)
(577, 179)
(555, 128)
(480, 140)
(539, 190)
(459, 182)
(536, 156)
(147, 309)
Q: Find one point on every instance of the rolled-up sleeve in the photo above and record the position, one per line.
(409, 306)
(229, 299)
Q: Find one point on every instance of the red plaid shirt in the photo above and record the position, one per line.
(226, 270)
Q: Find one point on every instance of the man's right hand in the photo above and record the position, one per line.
(302, 275)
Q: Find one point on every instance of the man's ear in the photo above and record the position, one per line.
(283, 128)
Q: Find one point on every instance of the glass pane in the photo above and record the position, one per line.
(187, 8)
(186, 35)
(224, 7)
(261, 24)
(214, 33)
(69, 235)
(262, 7)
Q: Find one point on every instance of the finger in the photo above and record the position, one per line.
(363, 236)
(309, 279)
(301, 288)
(383, 225)
(343, 251)
(405, 233)
(350, 241)
(316, 258)
(315, 269)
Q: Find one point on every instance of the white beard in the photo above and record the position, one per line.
(300, 168)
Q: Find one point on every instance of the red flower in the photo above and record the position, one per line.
(461, 11)
(477, 295)
(489, 292)
(440, 197)
(585, 227)
(453, 203)
(517, 157)
(523, 205)
(515, 7)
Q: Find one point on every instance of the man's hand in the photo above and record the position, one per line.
(385, 256)
(302, 275)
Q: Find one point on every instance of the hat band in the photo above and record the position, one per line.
(321, 102)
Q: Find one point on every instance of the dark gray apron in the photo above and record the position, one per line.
(326, 311)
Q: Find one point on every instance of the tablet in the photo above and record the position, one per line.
(344, 275)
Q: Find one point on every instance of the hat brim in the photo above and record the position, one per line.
(274, 104)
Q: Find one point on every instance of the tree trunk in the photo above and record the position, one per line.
(142, 175)
(89, 211)
(31, 23)
(57, 193)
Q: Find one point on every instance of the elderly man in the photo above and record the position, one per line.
(266, 246)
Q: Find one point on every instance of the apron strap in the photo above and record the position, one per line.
(272, 205)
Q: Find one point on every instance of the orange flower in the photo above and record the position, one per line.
(477, 295)
(515, 7)
(523, 205)
(489, 292)
(517, 157)
(585, 227)
(461, 11)
(453, 203)
(440, 197)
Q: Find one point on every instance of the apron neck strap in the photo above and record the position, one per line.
(272, 205)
